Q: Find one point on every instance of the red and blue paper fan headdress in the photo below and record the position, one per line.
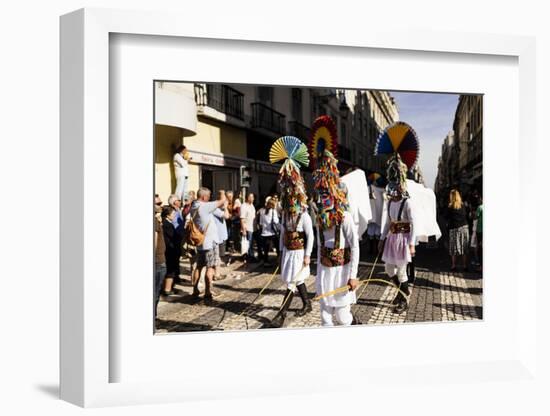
(401, 142)
(330, 192)
(293, 190)
(323, 137)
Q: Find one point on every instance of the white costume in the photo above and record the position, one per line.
(424, 205)
(330, 278)
(292, 261)
(396, 248)
(358, 199)
(377, 207)
(181, 169)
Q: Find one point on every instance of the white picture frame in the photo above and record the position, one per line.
(86, 353)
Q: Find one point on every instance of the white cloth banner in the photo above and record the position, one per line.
(423, 204)
(358, 199)
(377, 205)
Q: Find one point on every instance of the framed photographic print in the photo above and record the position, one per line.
(233, 196)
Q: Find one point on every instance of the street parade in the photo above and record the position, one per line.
(357, 247)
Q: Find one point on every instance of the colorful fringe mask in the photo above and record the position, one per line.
(330, 193)
(397, 177)
(293, 190)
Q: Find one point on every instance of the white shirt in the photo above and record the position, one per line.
(181, 166)
(269, 221)
(248, 213)
(407, 215)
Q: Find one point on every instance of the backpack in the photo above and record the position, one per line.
(193, 234)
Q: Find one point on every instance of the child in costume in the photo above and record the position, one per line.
(296, 236)
(338, 242)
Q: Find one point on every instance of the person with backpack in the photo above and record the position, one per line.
(268, 220)
(203, 233)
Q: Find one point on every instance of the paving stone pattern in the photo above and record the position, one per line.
(436, 295)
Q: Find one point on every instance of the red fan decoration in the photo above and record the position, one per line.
(323, 137)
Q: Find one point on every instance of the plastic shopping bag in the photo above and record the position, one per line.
(244, 245)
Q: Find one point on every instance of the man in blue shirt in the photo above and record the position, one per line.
(202, 214)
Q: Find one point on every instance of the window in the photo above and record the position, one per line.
(265, 96)
(297, 104)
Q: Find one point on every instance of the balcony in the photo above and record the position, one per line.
(298, 130)
(264, 117)
(222, 98)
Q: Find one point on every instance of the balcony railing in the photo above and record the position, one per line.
(299, 130)
(344, 152)
(222, 98)
(267, 118)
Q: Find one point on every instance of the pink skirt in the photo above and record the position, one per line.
(396, 249)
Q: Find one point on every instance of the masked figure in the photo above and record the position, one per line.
(338, 242)
(296, 236)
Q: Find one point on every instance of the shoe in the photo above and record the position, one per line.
(279, 319)
(306, 308)
(211, 295)
(196, 294)
(402, 306)
(453, 269)
(403, 303)
(395, 281)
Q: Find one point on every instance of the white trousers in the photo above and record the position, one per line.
(400, 271)
(341, 313)
(181, 186)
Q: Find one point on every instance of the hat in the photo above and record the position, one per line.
(293, 190)
(400, 142)
(323, 137)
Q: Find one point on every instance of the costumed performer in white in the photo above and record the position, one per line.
(296, 237)
(397, 241)
(338, 244)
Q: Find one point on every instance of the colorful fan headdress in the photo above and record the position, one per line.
(293, 190)
(399, 138)
(323, 137)
(401, 142)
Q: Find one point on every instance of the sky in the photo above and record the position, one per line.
(431, 115)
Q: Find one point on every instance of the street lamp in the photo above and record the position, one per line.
(344, 108)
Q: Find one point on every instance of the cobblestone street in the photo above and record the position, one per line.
(437, 295)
